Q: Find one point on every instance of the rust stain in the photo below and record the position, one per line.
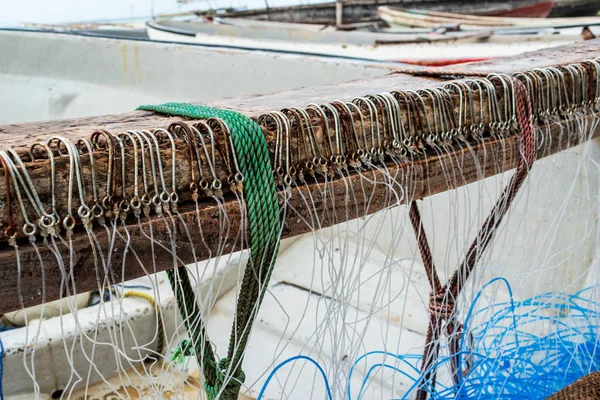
(170, 389)
(395, 318)
(137, 64)
(124, 58)
(129, 391)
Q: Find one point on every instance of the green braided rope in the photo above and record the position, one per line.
(190, 312)
(183, 350)
(263, 218)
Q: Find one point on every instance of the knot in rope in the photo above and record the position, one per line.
(229, 390)
(454, 327)
(441, 305)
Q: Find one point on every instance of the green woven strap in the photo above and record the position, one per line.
(263, 218)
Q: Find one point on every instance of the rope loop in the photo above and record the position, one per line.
(441, 301)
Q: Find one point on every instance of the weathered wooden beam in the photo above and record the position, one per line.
(30, 282)
(21, 136)
(417, 180)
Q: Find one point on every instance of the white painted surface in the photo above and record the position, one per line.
(298, 304)
(51, 76)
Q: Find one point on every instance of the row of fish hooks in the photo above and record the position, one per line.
(324, 139)
(150, 190)
(329, 138)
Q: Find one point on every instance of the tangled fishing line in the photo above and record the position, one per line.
(504, 357)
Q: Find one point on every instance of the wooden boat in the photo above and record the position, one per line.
(361, 11)
(424, 49)
(433, 19)
(549, 33)
(123, 73)
(536, 10)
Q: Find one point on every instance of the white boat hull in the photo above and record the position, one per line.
(67, 76)
(420, 53)
(299, 297)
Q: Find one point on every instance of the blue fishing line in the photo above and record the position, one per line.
(134, 286)
(107, 293)
(382, 365)
(470, 313)
(505, 358)
(416, 379)
(384, 353)
(289, 360)
(528, 366)
(1, 368)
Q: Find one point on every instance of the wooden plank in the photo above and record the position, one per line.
(29, 282)
(21, 134)
(74, 129)
(419, 179)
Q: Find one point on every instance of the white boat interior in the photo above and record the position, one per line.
(60, 75)
(299, 302)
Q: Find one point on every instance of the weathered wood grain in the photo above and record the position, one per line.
(26, 281)
(38, 169)
(416, 180)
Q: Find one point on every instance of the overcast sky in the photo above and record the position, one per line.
(15, 12)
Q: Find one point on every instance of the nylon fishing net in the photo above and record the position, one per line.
(438, 243)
